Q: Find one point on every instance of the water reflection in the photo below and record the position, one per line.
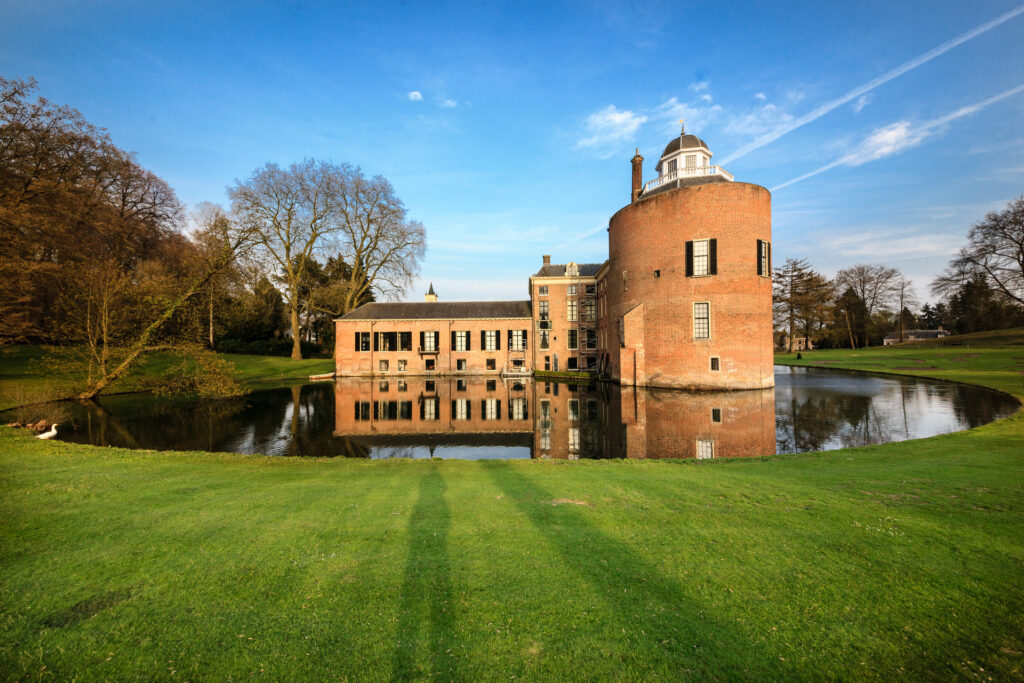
(810, 409)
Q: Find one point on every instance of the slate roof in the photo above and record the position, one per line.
(919, 334)
(558, 269)
(684, 142)
(440, 310)
(685, 182)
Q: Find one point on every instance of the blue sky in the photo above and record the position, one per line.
(884, 129)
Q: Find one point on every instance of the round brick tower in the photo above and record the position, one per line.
(687, 290)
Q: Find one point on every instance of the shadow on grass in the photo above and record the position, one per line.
(665, 630)
(425, 604)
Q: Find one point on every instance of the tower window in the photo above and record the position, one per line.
(542, 290)
(671, 166)
(702, 320)
(701, 258)
(691, 162)
(716, 414)
(715, 365)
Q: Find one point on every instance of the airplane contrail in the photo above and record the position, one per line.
(871, 85)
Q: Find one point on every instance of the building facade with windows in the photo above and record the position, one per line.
(684, 299)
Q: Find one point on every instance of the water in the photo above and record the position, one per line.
(476, 418)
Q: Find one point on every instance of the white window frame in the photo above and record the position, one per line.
(571, 290)
(430, 341)
(490, 340)
(517, 340)
(543, 310)
(763, 258)
(571, 310)
(462, 341)
(517, 409)
(430, 408)
(461, 409)
(702, 261)
(571, 343)
(691, 162)
(490, 409)
(542, 290)
(706, 304)
(402, 364)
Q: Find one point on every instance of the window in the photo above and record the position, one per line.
(461, 409)
(591, 289)
(590, 310)
(430, 364)
(571, 290)
(657, 273)
(691, 162)
(543, 310)
(491, 340)
(574, 341)
(428, 341)
(764, 258)
(491, 409)
(460, 364)
(460, 341)
(429, 385)
(542, 290)
(574, 439)
(362, 410)
(518, 410)
(702, 320)
(590, 340)
(570, 311)
(544, 337)
(490, 363)
(383, 366)
(716, 414)
(545, 409)
(392, 410)
(715, 364)
(383, 385)
(591, 362)
(671, 166)
(574, 409)
(547, 362)
(402, 365)
(385, 341)
(460, 385)
(428, 409)
(362, 341)
(491, 385)
(545, 439)
(572, 363)
(705, 449)
(517, 340)
(405, 341)
(700, 258)
(403, 385)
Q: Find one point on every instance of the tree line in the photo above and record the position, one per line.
(982, 288)
(98, 253)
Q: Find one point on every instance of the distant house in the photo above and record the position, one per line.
(799, 343)
(915, 335)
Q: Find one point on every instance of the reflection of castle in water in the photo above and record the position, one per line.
(561, 421)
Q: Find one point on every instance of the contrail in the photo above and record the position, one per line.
(919, 134)
(871, 85)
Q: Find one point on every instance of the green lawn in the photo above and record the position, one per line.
(37, 370)
(902, 561)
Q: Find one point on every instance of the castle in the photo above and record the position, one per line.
(684, 299)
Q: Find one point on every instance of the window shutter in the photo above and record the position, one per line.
(453, 410)
(357, 342)
(689, 259)
(483, 339)
(453, 341)
(422, 339)
(497, 340)
(497, 413)
(483, 407)
(713, 257)
(423, 412)
(469, 341)
(760, 269)
(525, 345)
(376, 341)
(768, 248)
(469, 410)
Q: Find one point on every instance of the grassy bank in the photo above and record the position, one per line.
(899, 561)
(37, 370)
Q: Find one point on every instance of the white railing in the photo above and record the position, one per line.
(686, 173)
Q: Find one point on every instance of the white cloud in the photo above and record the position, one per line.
(896, 137)
(862, 102)
(414, 95)
(872, 84)
(699, 86)
(760, 96)
(864, 244)
(696, 117)
(706, 97)
(761, 120)
(448, 104)
(609, 128)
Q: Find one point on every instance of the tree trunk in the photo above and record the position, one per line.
(296, 344)
(211, 320)
(849, 328)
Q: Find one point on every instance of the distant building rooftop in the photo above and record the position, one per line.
(558, 269)
(447, 310)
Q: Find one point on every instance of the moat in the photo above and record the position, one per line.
(477, 418)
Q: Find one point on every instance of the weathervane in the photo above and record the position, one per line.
(682, 128)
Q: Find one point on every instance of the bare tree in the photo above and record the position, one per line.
(875, 284)
(292, 210)
(994, 251)
(905, 297)
(380, 245)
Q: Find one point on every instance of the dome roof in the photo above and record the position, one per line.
(684, 142)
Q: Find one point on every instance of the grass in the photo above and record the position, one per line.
(901, 561)
(44, 371)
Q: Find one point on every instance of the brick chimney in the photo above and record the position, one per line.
(547, 259)
(638, 175)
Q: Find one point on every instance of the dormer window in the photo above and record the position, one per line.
(571, 270)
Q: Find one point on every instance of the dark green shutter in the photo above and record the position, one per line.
(525, 345)
(689, 259)
(713, 257)
(760, 268)
(422, 335)
(453, 341)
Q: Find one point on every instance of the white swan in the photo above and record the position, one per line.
(50, 434)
